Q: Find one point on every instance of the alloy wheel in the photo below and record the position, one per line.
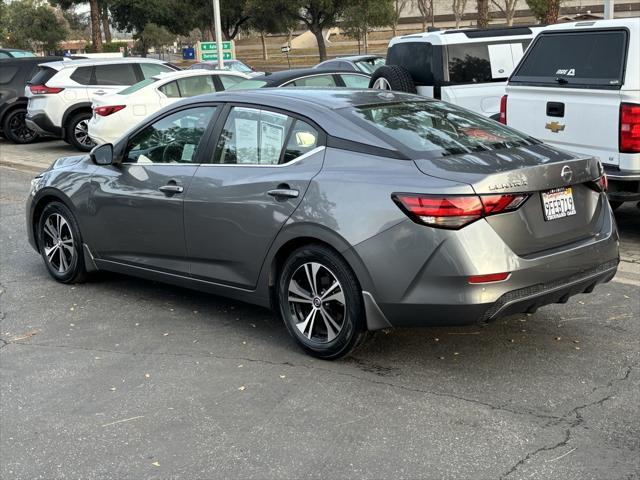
(81, 133)
(58, 244)
(382, 84)
(317, 302)
(20, 129)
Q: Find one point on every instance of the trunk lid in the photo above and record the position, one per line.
(532, 169)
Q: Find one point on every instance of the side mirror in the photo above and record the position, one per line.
(102, 154)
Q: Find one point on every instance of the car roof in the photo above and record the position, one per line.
(90, 62)
(283, 76)
(468, 35)
(28, 60)
(354, 58)
(632, 23)
(316, 104)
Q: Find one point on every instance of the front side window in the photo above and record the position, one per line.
(259, 137)
(355, 81)
(153, 69)
(115, 74)
(575, 59)
(315, 81)
(437, 128)
(172, 139)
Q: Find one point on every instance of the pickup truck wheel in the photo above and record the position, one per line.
(393, 77)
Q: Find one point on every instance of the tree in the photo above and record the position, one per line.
(398, 8)
(317, 15)
(106, 24)
(482, 6)
(425, 7)
(546, 11)
(29, 25)
(155, 36)
(508, 9)
(362, 16)
(263, 21)
(458, 7)
(94, 15)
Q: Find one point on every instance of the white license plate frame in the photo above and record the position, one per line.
(558, 203)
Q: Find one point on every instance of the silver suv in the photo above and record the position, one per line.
(60, 93)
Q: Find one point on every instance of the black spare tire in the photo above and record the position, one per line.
(393, 77)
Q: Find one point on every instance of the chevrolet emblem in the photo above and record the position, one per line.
(555, 127)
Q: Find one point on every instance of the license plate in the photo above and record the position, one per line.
(558, 203)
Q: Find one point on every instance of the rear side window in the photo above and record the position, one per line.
(115, 74)
(198, 85)
(585, 59)
(82, 75)
(483, 62)
(171, 90)
(151, 69)
(43, 75)
(418, 59)
(7, 74)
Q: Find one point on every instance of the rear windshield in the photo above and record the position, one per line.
(42, 75)
(586, 59)
(248, 84)
(370, 65)
(437, 128)
(137, 86)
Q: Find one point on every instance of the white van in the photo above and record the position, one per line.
(578, 88)
(466, 67)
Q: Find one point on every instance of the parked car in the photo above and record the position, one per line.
(60, 93)
(114, 114)
(465, 67)
(15, 53)
(233, 65)
(358, 63)
(578, 88)
(344, 210)
(14, 74)
(307, 77)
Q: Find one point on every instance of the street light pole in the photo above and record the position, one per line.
(218, 27)
(608, 9)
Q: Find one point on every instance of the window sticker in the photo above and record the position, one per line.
(246, 140)
(187, 152)
(271, 140)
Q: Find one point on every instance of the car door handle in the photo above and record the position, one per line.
(99, 92)
(171, 189)
(284, 193)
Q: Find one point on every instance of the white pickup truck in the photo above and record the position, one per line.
(578, 88)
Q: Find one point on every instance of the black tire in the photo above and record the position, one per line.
(615, 205)
(77, 123)
(15, 130)
(341, 326)
(393, 77)
(65, 262)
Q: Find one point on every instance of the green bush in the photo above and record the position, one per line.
(106, 47)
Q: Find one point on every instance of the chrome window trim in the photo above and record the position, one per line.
(319, 75)
(313, 151)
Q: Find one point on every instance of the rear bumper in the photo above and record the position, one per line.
(624, 186)
(422, 279)
(43, 125)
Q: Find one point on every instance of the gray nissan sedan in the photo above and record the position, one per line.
(345, 211)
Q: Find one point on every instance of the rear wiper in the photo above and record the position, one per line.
(562, 81)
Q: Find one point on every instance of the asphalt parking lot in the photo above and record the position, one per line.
(129, 379)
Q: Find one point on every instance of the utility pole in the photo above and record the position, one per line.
(608, 9)
(218, 26)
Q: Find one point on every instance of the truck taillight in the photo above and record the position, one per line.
(629, 128)
(44, 90)
(503, 110)
(455, 211)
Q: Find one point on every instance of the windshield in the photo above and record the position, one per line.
(370, 65)
(437, 128)
(137, 86)
(248, 84)
(21, 53)
(237, 67)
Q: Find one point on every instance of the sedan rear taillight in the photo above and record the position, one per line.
(629, 128)
(44, 90)
(108, 110)
(503, 110)
(455, 211)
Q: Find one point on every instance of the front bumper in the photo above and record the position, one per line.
(43, 125)
(426, 281)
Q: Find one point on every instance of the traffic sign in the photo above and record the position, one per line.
(204, 46)
(212, 56)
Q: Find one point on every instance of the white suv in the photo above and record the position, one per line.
(60, 93)
(466, 67)
(578, 88)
